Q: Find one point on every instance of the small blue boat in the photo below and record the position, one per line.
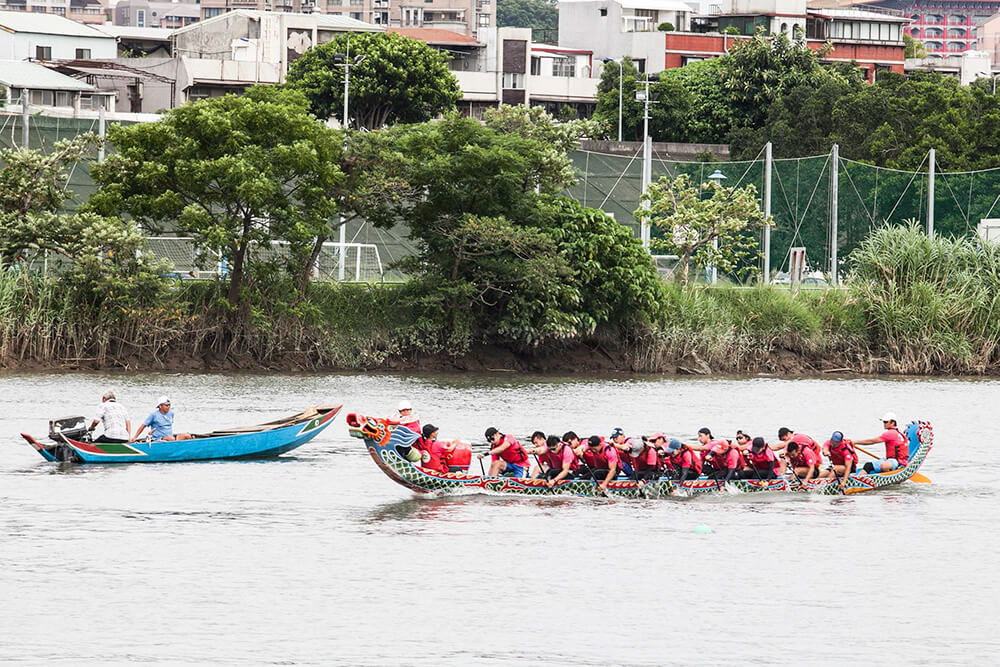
(246, 442)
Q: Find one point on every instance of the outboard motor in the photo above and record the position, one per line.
(74, 428)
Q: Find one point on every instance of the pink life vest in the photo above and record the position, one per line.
(685, 458)
(600, 460)
(896, 446)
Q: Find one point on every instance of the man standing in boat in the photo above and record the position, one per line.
(161, 423)
(406, 417)
(507, 453)
(897, 452)
(117, 425)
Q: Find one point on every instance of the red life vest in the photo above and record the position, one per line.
(686, 456)
(598, 460)
(764, 459)
(514, 453)
(459, 457)
(804, 440)
(839, 451)
(642, 461)
(899, 450)
(432, 457)
(555, 460)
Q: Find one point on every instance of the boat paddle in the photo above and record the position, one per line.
(590, 471)
(915, 477)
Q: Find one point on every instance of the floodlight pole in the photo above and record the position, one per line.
(834, 209)
(766, 278)
(930, 193)
(647, 166)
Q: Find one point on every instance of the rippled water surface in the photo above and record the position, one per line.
(318, 558)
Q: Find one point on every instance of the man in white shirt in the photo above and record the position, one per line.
(117, 425)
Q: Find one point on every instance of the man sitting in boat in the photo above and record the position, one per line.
(842, 455)
(433, 451)
(406, 417)
(601, 461)
(897, 451)
(803, 461)
(161, 423)
(682, 462)
(787, 435)
(538, 447)
(560, 461)
(114, 417)
(762, 462)
(507, 453)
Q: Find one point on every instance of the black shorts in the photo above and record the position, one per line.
(104, 438)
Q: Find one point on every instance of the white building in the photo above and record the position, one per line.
(48, 90)
(617, 28)
(36, 36)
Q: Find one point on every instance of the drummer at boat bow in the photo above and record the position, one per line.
(113, 416)
(406, 417)
(507, 453)
(161, 423)
(897, 452)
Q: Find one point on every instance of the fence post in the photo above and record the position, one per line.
(768, 163)
(25, 136)
(930, 192)
(834, 205)
(343, 251)
(100, 133)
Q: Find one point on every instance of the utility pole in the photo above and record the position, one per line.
(647, 162)
(834, 206)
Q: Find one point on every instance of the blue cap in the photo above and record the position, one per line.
(674, 445)
(618, 430)
(837, 436)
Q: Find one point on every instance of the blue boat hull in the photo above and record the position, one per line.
(264, 441)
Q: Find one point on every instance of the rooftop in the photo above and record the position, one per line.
(132, 32)
(291, 19)
(46, 24)
(858, 14)
(24, 74)
(436, 36)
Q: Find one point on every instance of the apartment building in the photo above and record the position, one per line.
(156, 13)
(46, 36)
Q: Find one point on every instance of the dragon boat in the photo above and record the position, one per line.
(389, 445)
(70, 441)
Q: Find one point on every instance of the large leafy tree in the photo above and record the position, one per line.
(398, 80)
(539, 15)
(235, 173)
(704, 225)
(104, 254)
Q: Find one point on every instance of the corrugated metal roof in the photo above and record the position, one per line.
(436, 36)
(23, 74)
(47, 24)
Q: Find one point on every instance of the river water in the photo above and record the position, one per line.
(318, 558)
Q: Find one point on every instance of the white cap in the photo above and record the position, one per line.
(890, 417)
(162, 400)
(405, 405)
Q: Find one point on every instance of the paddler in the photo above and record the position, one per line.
(507, 453)
(726, 461)
(787, 435)
(897, 451)
(682, 461)
(645, 459)
(560, 459)
(602, 460)
(842, 455)
(624, 446)
(538, 447)
(762, 461)
(434, 452)
(803, 460)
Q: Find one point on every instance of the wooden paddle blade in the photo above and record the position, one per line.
(919, 479)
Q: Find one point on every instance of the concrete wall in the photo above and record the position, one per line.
(664, 150)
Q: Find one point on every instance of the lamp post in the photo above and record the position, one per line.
(346, 62)
(619, 61)
(647, 158)
(716, 177)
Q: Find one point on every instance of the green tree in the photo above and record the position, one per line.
(913, 48)
(398, 80)
(235, 173)
(539, 15)
(105, 255)
(606, 111)
(686, 222)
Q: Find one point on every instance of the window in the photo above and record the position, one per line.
(513, 80)
(64, 98)
(564, 67)
(357, 3)
(43, 53)
(140, 18)
(213, 11)
(604, 11)
(38, 10)
(83, 54)
(43, 97)
(61, 11)
(484, 20)
(356, 15)
(334, 3)
(640, 64)
(536, 66)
